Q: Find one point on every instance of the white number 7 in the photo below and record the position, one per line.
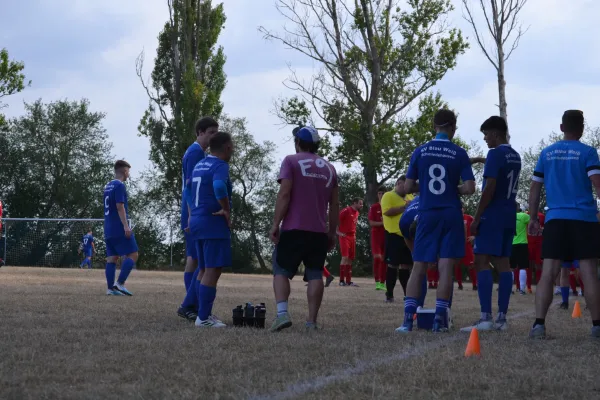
(512, 183)
(199, 180)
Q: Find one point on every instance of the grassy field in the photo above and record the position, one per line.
(61, 337)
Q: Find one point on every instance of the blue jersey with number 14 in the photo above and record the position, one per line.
(503, 164)
(439, 165)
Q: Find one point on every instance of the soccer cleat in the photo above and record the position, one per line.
(564, 306)
(522, 293)
(439, 327)
(122, 289)
(557, 291)
(580, 292)
(389, 299)
(460, 286)
(188, 314)
(529, 291)
(596, 331)
(209, 323)
(501, 324)
(538, 332)
(328, 280)
(382, 286)
(352, 284)
(213, 317)
(342, 283)
(474, 287)
(311, 327)
(430, 286)
(281, 322)
(404, 328)
(481, 325)
(113, 292)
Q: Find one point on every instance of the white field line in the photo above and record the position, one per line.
(345, 374)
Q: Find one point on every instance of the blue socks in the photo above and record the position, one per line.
(187, 279)
(485, 284)
(410, 308)
(441, 310)
(504, 291)
(110, 272)
(126, 268)
(206, 297)
(564, 291)
(191, 298)
(421, 300)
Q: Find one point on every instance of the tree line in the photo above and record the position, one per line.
(378, 60)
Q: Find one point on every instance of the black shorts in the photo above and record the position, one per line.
(396, 251)
(568, 239)
(519, 256)
(297, 247)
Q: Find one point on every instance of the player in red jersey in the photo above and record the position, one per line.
(378, 242)
(535, 254)
(347, 236)
(469, 258)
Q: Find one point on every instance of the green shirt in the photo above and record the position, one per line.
(522, 222)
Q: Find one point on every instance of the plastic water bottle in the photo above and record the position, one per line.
(260, 314)
(249, 315)
(238, 316)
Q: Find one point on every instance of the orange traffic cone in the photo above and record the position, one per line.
(576, 310)
(473, 347)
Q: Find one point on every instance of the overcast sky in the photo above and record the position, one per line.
(87, 48)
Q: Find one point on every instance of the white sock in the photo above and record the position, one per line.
(523, 279)
(282, 307)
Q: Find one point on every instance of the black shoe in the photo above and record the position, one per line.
(460, 287)
(474, 287)
(564, 306)
(328, 281)
(188, 314)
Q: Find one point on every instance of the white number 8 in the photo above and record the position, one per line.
(437, 178)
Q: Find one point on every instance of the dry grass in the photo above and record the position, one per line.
(61, 337)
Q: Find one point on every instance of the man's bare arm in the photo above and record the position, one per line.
(334, 211)
(411, 186)
(123, 215)
(393, 211)
(467, 188)
(535, 191)
(283, 201)
(486, 197)
(374, 224)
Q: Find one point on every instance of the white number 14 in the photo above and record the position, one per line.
(512, 183)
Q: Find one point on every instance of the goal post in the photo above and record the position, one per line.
(49, 242)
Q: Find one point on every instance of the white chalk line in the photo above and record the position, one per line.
(303, 387)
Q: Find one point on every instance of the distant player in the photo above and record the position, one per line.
(210, 223)
(469, 257)
(568, 169)
(88, 248)
(439, 166)
(205, 128)
(397, 255)
(408, 227)
(567, 278)
(119, 238)
(378, 242)
(519, 257)
(494, 223)
(304, 226)
(534, 246)
(347, 238)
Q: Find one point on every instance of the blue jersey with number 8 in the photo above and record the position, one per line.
(439, 165)
(503, 163)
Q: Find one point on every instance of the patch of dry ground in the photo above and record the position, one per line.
(61, 337)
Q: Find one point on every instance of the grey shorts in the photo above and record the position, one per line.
(309, 274)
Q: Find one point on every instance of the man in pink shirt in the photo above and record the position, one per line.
(307, 209)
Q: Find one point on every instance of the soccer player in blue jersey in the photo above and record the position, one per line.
(494, 223)
(570, 170)
(88, 248)
(408, 227)
(210, 223)
(119, 238)
(205, 128)
(439, 166)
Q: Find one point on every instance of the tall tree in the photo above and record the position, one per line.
(503, 25)
(12, 79)
(376, 60)
(186, 83)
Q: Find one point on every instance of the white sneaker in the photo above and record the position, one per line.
(501, 324)
(481, 325)
(209, 323)
(215, 319)
(580, 292)
(556, 291)
(122, 289)
(113, 292)
(450, 322)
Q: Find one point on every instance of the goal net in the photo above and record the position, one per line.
(49, 242)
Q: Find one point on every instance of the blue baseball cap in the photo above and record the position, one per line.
(307, 134)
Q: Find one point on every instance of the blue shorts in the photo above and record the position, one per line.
(569, 264)
(213, 253)
(440, 233)
(493, 240)
(120, 246)
(87, 252)
(190, 246)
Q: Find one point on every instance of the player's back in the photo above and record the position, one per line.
(313, 181)
(409, 215)
(439, 165)
(114, 192)
(204, 203)
(504, 164)
(191, 157)
(563, 167)
(87, 241)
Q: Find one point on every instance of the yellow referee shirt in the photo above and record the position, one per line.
(390, 200)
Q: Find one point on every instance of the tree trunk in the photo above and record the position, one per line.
(369, 165)
(502, 88)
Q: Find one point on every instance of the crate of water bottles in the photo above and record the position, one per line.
(252, 316)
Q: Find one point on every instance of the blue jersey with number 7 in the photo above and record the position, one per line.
(439, 165)
(503, 164)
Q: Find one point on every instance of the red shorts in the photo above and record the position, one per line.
(348, 246)
(535, 251)
(469, 257)
(378, 243)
